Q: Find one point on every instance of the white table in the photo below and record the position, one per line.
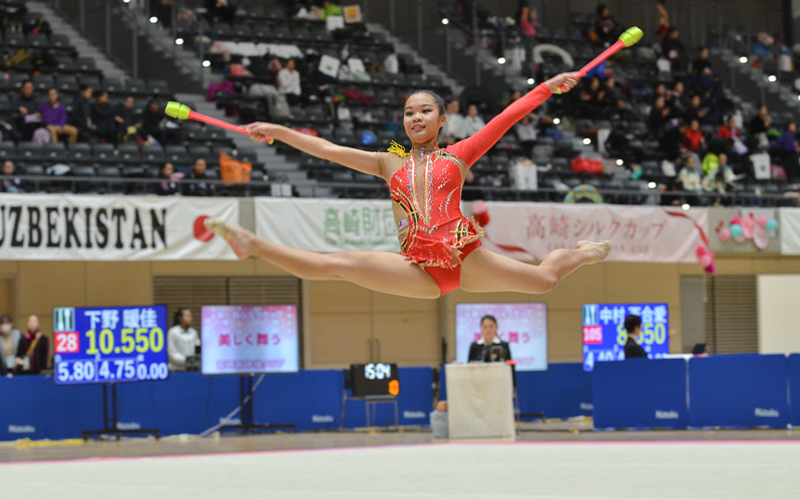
(480, 400)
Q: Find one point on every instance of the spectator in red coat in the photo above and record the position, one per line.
(694, 139)
(729, 130)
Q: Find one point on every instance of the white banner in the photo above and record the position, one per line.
(789, 225)
(526, 231)
(324, 225)
(56, 227)
(529, 231)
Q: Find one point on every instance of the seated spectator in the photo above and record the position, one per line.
(660, 91)
(694, 140)
(11, 184)
(525, 130)
(198, 173)
(689, 175)
(591, 100)
(759, 126)
(182, 340)
(454, 126)
(472, 123)
(677, 101)
(528, 21)
(729, 130)
(104, 126)
(659, 116)
(289, 83)
(221, 9)
(695, 111)
(673, 49)
(167, 186)
(28, 118)
(32, 351)
(156, 125)
(618, 145)
(81, 115)
(128, 119)
(784, 149)
(9, 342)
(610, 92)
(605, 27)
(663, 20)
(714, 182)
(672, 140)
(54, 118)
(701, 64)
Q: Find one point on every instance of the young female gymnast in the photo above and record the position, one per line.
(440, 248)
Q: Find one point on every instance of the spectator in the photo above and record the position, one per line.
(481, 350)
(528, 21)
(610, 92)
(672, 140)
(784, 149)
(182, 340)
(28, 118)
(156, 126)
(32, 351)
(221, 9)
(604, 26)
(54, 118)
(128, 119)
(199, 173)
(590, 99)
(663, 20)
(759, 126)
(701, 64)
(525, 130)
(9, 341)
(11, 184)
(673, 49)
(677, 100)
(104, 125)
(472, 123)
(633, 326)
(455, 121)
(715, 182)
(289, 83)
(81, 115)
(689, 176)
(618, 146)
(729, 130)
(694, 140)
(167, 186)
(695, 112)
(659, 115)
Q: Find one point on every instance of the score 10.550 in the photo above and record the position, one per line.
(140, 340)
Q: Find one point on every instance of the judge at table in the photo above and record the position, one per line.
(482, 349)
(633, 325)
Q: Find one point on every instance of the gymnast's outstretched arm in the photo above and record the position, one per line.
(472, 148)
(356, 159)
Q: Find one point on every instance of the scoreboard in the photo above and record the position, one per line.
(110, 344)
(604, 334)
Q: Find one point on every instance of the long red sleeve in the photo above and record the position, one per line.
(472, 148)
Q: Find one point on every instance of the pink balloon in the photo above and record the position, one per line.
(762, 221)
(725, 235)
(760, 237)
(711, 269)
(706, 260)
(700, 250)
(736, 220)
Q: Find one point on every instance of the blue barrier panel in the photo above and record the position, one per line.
(793, 366)
(564, 390)
(640, 393)
(415, 401)
(34, 407)
(186, 403)
(309, 399)
(739, 390)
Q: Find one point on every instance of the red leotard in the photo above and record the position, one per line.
(429, 192)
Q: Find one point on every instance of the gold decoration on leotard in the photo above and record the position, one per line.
(398, 150)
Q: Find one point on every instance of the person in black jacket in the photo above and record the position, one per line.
(81, 115)
(633, 325)
(482, 349)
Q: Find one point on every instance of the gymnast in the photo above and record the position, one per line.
(440, 248)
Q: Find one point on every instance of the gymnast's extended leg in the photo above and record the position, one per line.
(485, 271)
(378, 271)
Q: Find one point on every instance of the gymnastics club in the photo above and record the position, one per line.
(183, 112)
(630, 37)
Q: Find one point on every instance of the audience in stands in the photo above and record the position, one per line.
(526, 133)
(167, 186)
(663, 20)
(701, 65)
(198, 174)
(689, 175)
(694, 139)
(473, 122)
(28, 118)
(729, 130)
(128, 119)
(673, 50)
(605, 27)
(156, 125)
(54, 118)
(9, 342)
(11, 184)
(104, 126)
(659, 116)
(182, 340)
(289, 82)
(32, 351)
(81, 115)
(784, 149)
(455, 121)
(224, 10)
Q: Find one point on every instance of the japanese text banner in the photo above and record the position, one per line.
(529, 231)
(323, 225)
(67, 227)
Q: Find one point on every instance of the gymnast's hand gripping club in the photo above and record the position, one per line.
(627, 39)
(183, 112)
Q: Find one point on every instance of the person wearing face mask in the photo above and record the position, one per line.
(9, 341)
(481, 350)
(33, 350)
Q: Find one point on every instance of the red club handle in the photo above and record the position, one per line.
(194, 115)
(619, 44)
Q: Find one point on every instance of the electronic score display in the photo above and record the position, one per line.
(604, 334)
(375, 379)
(110, 344)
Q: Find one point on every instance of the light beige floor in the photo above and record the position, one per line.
(576, 470)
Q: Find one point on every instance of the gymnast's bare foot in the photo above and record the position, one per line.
(237, 237)
(595, 252)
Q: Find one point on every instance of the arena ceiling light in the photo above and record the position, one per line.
(652, 185)
(772, 78)
(686, 207)
(179, 41)
(620, 162)
(743, 59)
(586, 141)
(154, 19)
(531, 81)
(445, 21)
(206, 63)
(501, 60)
(556, 121)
